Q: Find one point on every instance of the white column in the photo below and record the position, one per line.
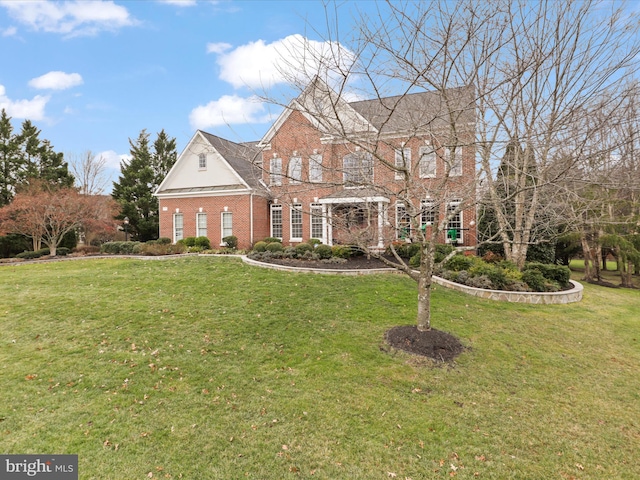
(329, 225)
(380, 225)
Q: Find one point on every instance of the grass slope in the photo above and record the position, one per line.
(205, 368)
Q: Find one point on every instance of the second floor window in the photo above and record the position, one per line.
(453, 161)
(403, 163)
(315, 168)
(427, 166)
(358, 169)
(275, 171)
(295, 170)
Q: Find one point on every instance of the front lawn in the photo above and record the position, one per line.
(206, 368)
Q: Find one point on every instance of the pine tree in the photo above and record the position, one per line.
(10, 162)
(40, 161)
(138, 181)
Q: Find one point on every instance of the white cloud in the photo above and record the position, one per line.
(179, 3)
(32, 109)
(56, 81)
(9, 32)
(70, 18)
(228, 110)
(220, 47)
(113, 159)
(292, 59)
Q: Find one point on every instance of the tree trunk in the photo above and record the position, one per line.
(424, 288)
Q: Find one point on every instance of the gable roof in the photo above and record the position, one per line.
(235, 172)
(240, 156)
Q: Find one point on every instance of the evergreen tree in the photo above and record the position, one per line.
(40, 160)
(24, 157)
(138, 181)
(10, 162)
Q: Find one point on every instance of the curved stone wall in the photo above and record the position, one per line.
(543, 298)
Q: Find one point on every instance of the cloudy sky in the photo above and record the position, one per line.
(92, 74)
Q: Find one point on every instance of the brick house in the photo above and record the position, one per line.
(367, 172)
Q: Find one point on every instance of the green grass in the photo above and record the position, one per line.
(206, 368)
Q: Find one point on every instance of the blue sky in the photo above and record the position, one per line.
(92, 74)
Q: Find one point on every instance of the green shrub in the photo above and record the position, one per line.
(272, 240)
(188, 241)
(457, 263)
(204, 243)
(559, 274)
(260, 246)
(274, 247)
(121, 248)
(62, 251)
(314, 242)
(323, 251)
(29, 255)
(44, 251)
(303, 248)
(289, 252)
(341, 251)
(230, 241)
(164, 241)
(534, 278)
(414, 262)
(442, 250)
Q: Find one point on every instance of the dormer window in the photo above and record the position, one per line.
(202, 161)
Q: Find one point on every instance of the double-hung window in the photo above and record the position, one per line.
(427, 163)
(454, 226)
(275, 171)
(295, 169)
(276, 221)
(429, 214)
(227, 224)
(178, 227)
(403, 222)
(315, 168)
(453, 160)
(296, 222)
(201, 224)
(357, 168)
(403, 163)
(316, 221)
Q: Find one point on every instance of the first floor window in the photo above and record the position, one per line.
(403, 222)
(454, 226)
(429, 215)
(453, 160)
(227, 224)
(178, 227)
(316, 221)
(403, 163)
(276, 221)
(201, 224)
(296, 221)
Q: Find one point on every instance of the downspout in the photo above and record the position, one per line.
(251, 218)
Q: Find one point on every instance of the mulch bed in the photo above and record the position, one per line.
(434, 344)
(354, 263)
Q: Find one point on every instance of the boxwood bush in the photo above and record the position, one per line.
(260, 246)
(274, 247)
(323, 251)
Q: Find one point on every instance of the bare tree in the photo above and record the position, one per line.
(560, 62)
(89, 171)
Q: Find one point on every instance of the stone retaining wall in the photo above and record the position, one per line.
(544, 298)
